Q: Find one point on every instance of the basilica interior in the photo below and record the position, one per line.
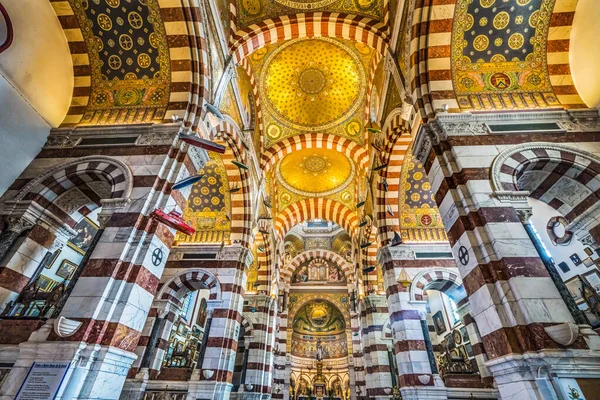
(299, 199)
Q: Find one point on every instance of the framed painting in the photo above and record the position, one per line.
(574, 285)
(45, 284)
(85, 230)
(66, 269)
(438, 322)
(593, 277)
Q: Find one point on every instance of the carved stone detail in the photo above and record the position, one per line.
(62, 141)
(156, 139)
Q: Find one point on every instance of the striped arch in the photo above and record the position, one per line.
(314, 24)
(552, 162)
(189, 67)
(430, 78)
(446, 280)
(241, 229)
(257, 104)
(289, 268)
(351, 149)
(181, 285)
(397, 143)
(312, 208)
(80, 173)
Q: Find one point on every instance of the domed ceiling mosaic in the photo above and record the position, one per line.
(499, 53)
(314, 85)
(312, 172)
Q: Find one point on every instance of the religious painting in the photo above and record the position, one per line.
(438, 322)
(564, 267)
(593, 277)
(85, 230)
(318, 270)
(575, 259)
(50, 258)
(588, 262)
(66, 269)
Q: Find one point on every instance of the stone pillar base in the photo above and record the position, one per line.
(205, 390)
(533, 376)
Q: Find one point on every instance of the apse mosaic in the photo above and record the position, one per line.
(319, 320)
(318, 271)
(420, 219)
(129, 59)
(312, 85)
(255, 11)
(209, 205)
(499, 49)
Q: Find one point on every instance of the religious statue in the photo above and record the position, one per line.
(302, 275)
(319, 350)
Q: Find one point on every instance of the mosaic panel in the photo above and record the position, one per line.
(129, 59)
(209, 205)
(499, 54)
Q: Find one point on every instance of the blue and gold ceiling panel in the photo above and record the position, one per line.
(129, 59)
(499, 54)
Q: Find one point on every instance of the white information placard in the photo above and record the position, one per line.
(42, 381)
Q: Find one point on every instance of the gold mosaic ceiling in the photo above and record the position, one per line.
(314, 85)
(312, 172)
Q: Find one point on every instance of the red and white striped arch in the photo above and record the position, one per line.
(289, 268)
(314, 24)
(181, 285)
(396, 149)
(446, 280)
(554, 161)
(321, 208)
(189, 66)
(430, 79)
(241, 216)
(351, 149)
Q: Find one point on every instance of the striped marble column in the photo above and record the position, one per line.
(219, 355)
(115, 290)
(357, 367)
(512, 296)
(281, 370)
(481, 357)
(414, 369)
(374, 314)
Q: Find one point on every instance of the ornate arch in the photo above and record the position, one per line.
(351, 149)
(446, 280)
(393, 154)
(313, 24)
(190, 80)
(189, 281)
(65, 176)
(328, 255)
(240, 201)
(312, 208)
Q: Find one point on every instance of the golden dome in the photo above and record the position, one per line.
(312, 83)
(311, 172)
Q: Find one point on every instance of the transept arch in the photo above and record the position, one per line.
(351, 149)
(314, 24)
(157, 98)
(312, 208)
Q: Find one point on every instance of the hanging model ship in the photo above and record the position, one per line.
(196, 141)
(173, 220)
